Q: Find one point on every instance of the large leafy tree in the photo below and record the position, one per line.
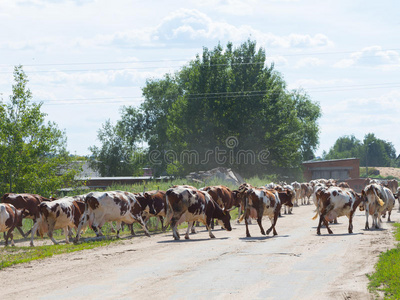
(225, 108)
(33, 152)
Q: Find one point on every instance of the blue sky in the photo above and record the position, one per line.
(85, 59)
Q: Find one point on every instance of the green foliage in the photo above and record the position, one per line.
(118, 155)
(386, 277)
(372, 151)
(225, 93)
(33, 152)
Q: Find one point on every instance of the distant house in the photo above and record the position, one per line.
(340, 169)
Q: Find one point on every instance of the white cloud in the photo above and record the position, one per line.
(309, 62)
(374, 57)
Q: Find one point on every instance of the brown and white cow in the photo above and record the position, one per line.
(335, 202)
(190, 205)
(265, 203)
(224, 197)
(377, 200)
(157, 206)
(64, 213)
(10, 217)
(392, 185)
(306, 193)
(297, 191)
(118, 206)
(28, 202)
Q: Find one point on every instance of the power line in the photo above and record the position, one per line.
(188, 59)
(219, 95)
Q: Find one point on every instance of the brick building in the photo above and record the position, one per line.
(340, 169)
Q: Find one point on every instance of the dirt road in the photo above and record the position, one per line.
(296, 264)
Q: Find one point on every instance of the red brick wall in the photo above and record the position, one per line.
(353, 163)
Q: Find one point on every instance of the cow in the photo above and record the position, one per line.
(118, 206)
(239, 195)
(157, 206)
(335, 202)
(297, 189)
(190, 205)
(28, 202)
(377, 200)
(306, 193)
(265, 203)
(64, 213)
(397, 195)
(343, 184)
(392, 185)
(224, 197)
(10, 217)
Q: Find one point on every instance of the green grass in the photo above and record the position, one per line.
(16, 255)
(386, 278)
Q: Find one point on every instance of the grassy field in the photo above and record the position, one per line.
(386, 278)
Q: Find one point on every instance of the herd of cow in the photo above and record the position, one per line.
(186, 203)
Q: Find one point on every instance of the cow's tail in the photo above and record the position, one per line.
(380, 201)
(316, 215)
(246, 207)
(169, 210)
(317, 211)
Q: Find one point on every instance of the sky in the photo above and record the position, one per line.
(85, 59)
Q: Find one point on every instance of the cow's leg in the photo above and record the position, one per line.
(51, 224)
(240, 213)
(118, 228)
(326, 223)
(273, 221)
(194, 227)
(10, 236)
(389, 213)
(141, 222)
(66, 232)
(22, 232)
(83, 220)
(260, 225)
(175, 232)
(190, 224)
(33, 231)
(247, 224)
(366, 217)
(351, 222)
(163, 227)
(207, 222)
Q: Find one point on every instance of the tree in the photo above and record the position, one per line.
(225, 101)
(118, 154)
(33, 152)
(372, 151)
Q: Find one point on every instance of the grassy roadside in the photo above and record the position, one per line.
(386, 278)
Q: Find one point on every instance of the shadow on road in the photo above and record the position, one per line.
(260, 238)
(182, 240)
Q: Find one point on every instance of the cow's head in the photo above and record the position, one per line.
(226, 220)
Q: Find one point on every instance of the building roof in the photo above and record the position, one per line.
(330, 160)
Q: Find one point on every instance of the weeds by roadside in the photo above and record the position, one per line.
(386, 278)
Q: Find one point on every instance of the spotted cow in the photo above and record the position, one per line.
(265, 203)
(64, 213)
(190, 205)
(335, 202)
(377, 200)
(28, 202)
(118, 206)
(10, 217)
